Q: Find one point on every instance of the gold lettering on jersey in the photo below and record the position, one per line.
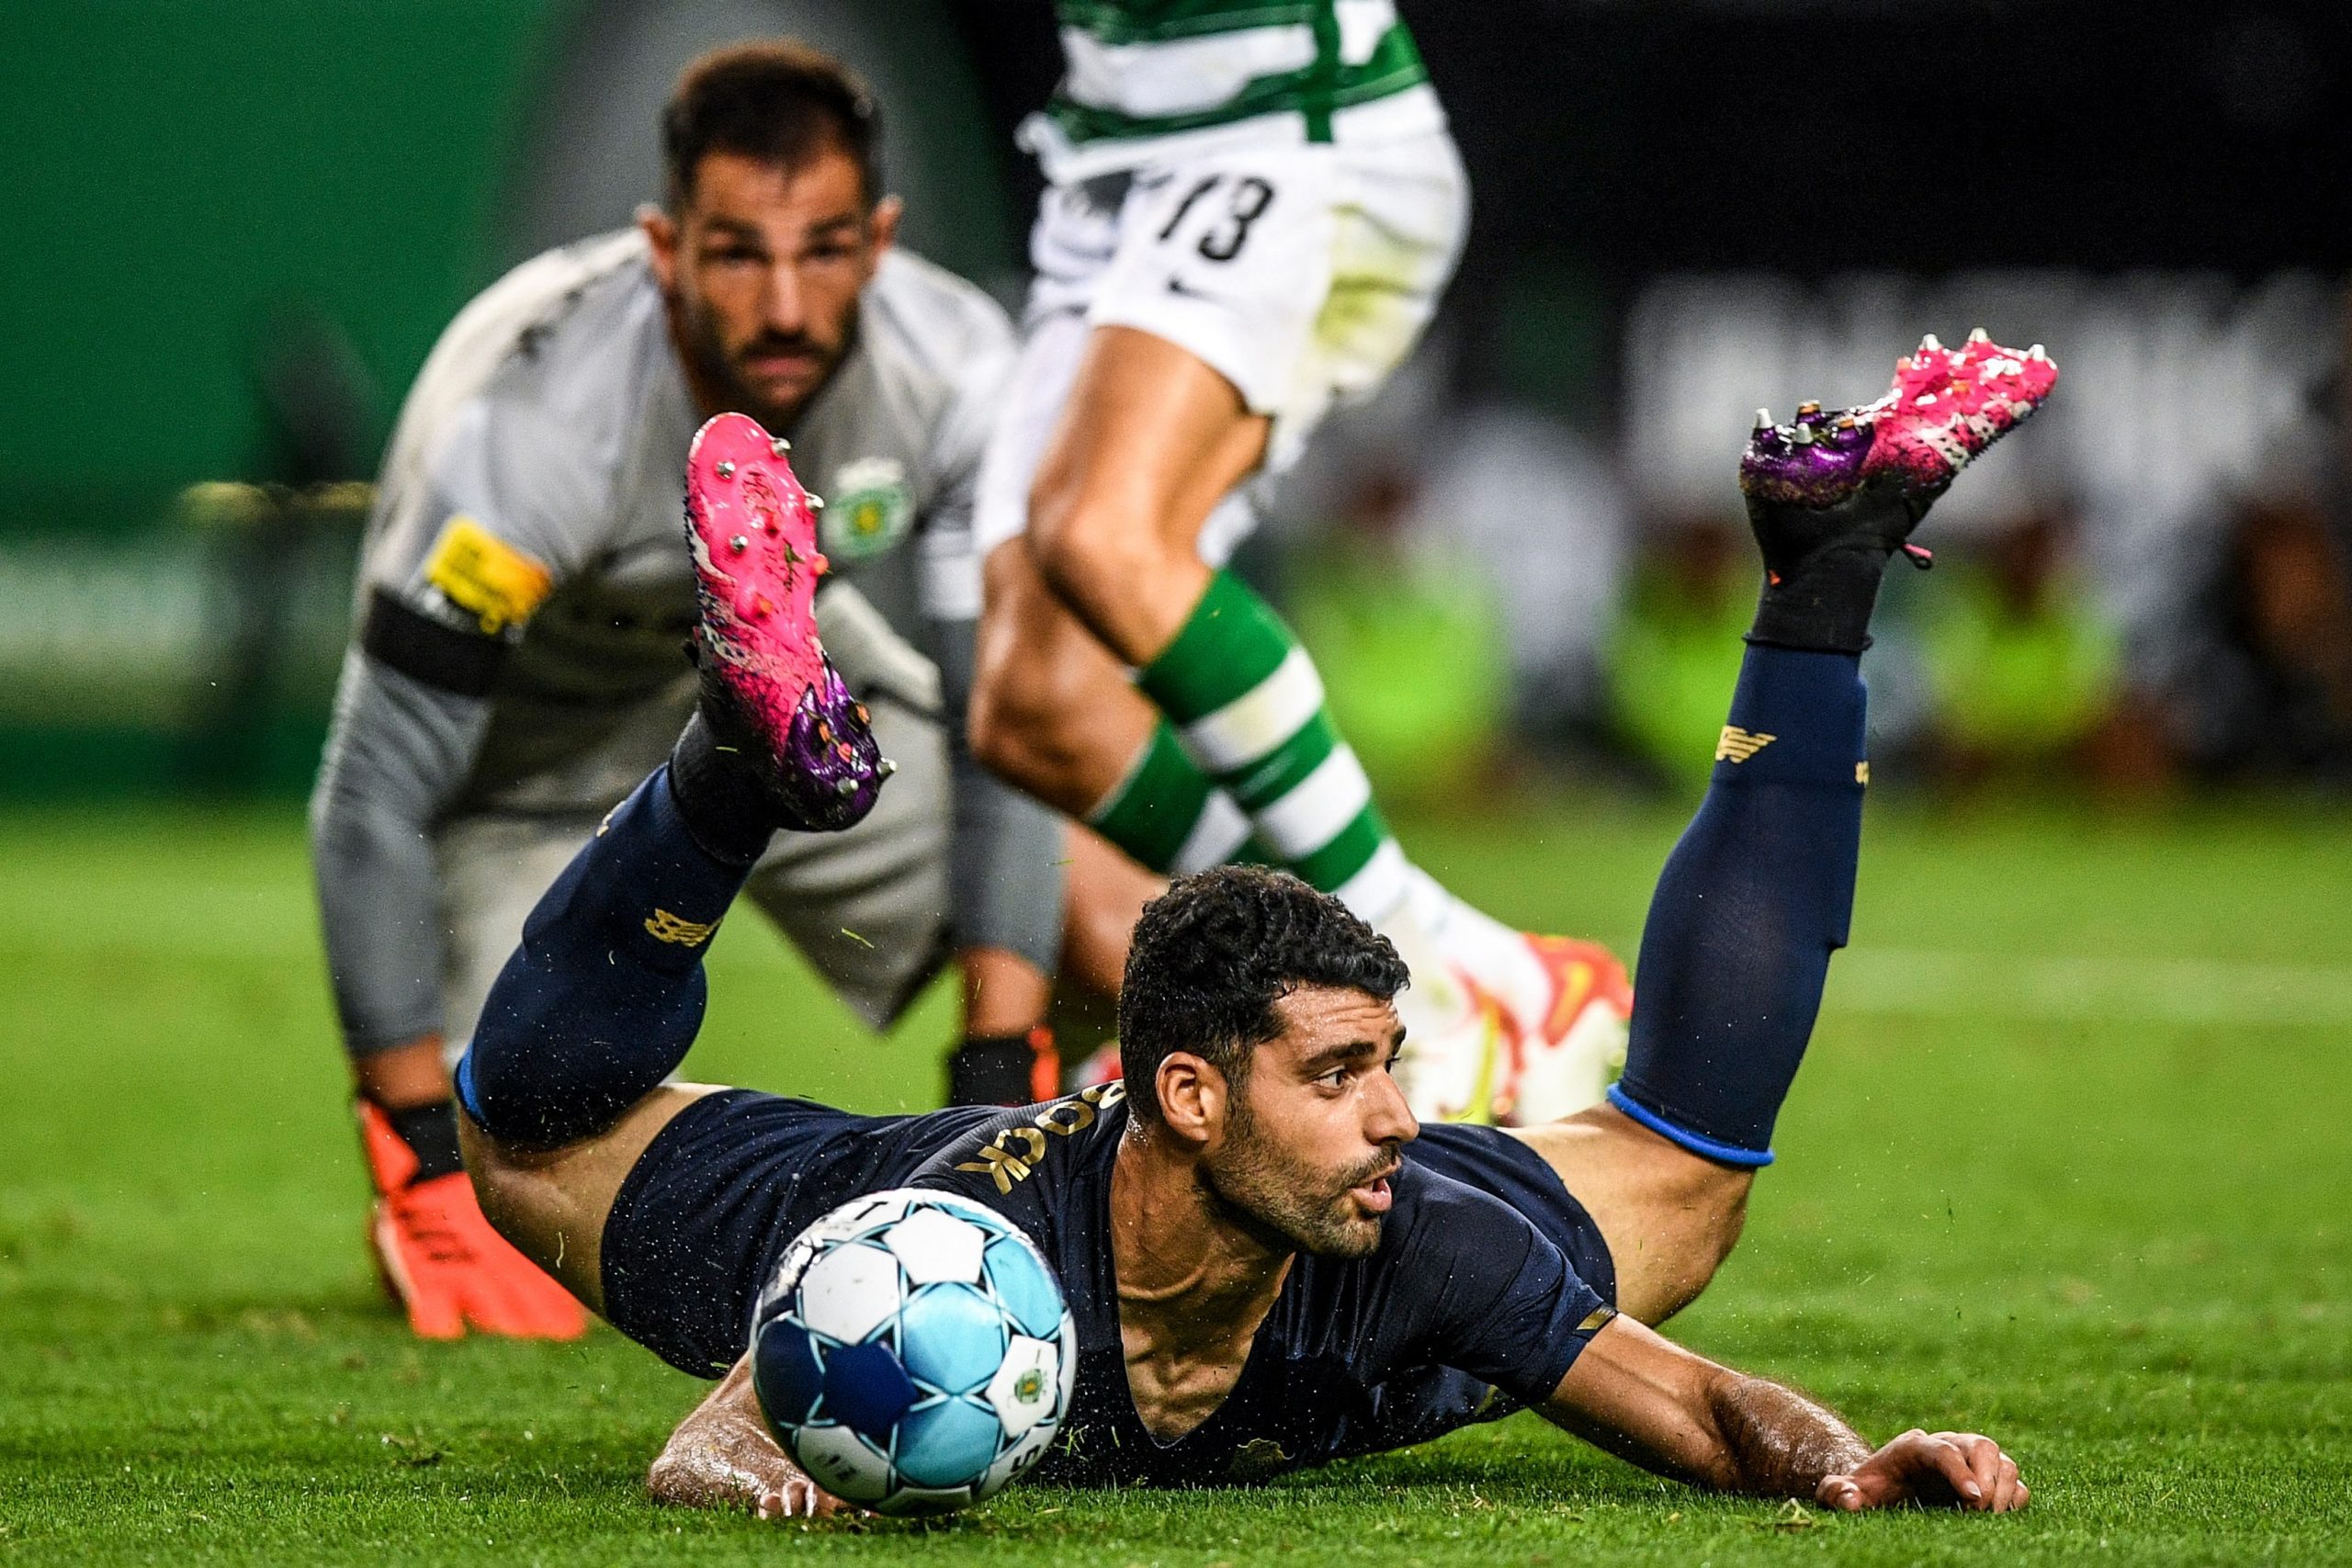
(1738, 745)
(1012, 1153)
(481, 573)
(1862, 772)
(676, 929)
(998, 1166)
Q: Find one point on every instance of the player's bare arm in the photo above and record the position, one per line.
(1647, 1400)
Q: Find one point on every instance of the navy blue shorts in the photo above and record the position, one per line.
(713, 1201)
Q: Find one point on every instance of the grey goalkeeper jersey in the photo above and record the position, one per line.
(524, 593)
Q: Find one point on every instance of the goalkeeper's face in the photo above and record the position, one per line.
(762, 267)
(1312, 1130)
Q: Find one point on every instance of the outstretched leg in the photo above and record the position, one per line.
(1756, 894)
(561, 1088)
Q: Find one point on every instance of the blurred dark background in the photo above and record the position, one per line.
(241, 226)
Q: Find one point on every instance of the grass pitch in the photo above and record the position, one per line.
(2068, 1164)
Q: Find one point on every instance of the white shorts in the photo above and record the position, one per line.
(1303, 274)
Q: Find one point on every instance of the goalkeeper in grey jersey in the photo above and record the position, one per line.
(525, 593)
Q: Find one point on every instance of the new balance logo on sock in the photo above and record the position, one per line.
(667, 927)
(1738, 745)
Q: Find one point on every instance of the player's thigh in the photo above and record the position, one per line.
(493, 870)
(868, 908)
(552, 1203)
(1668, 1217)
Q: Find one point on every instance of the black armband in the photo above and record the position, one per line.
(401, 636)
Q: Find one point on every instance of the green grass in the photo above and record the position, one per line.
(2098, 1209)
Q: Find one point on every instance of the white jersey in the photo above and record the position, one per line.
(1157, 82)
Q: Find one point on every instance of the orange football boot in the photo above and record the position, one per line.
(441, 1260)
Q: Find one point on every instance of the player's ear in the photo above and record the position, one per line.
(1192, 1097)
(661, 233)
(882, 225)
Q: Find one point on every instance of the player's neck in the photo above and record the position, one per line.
(1185, 1271)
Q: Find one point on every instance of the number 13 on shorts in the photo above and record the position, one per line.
(1231, 260)
(1302, 274)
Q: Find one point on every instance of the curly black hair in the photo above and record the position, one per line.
(777, 100)
(1213, 956)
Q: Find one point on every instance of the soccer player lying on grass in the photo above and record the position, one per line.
(1269, 1265)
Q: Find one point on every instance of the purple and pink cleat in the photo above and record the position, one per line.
(767, 686)
(1946, 406)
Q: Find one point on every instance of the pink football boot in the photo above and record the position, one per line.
(1832, 495)
(767, 687)
(1946, 406)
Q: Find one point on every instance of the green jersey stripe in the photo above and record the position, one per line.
(1122, 21)
(1275, 775)
(1315, 91)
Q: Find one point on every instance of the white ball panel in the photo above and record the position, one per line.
(842, 1464)
(1011, 1463)
(850, 1292)
(934, 1247)
(1026, 1387)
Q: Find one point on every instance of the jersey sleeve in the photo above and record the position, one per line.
(506, 504)
(471, 536)
(1027, 1163)
(1500, 1301)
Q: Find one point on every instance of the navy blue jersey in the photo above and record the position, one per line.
(1463, 1296)
(1488, 1281)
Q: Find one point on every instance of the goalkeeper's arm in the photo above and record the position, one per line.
(399, 749)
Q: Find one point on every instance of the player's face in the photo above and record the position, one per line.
(1313, 1133)
(761, 267)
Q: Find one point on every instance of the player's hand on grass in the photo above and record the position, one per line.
(1936, 1469)
(723, 1456)
(798, 1498)
(722, 1465)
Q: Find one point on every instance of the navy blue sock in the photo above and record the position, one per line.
(1751, 904)
(603, 998)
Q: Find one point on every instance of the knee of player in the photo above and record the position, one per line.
(1091, 544)
(488, 1167)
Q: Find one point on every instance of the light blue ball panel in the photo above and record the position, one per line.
(1028, 1290)
(951, 1337)
(948, 1444)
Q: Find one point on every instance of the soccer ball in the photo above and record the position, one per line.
(913, 1352)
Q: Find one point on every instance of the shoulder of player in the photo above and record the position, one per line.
(1008, 1151)
(926, 321)
(1434, 1207)
(527, 391)
(560, 334)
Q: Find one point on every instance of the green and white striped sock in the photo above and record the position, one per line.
(1167, 814)
(1246, 706)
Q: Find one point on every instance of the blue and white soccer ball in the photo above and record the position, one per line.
(913, 1352)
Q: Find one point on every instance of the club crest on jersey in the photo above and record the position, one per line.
(868, 509)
